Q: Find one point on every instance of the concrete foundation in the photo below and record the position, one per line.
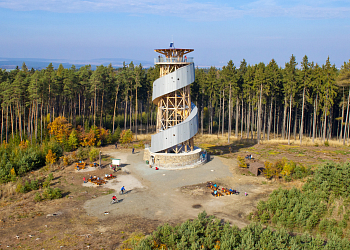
(175, 161)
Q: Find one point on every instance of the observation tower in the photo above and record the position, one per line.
(177, 117)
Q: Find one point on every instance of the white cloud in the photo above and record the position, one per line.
(187, 9)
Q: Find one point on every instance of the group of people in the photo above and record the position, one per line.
(249, 157)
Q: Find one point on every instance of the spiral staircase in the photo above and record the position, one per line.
(177, 116)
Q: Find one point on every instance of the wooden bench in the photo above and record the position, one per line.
(227, 191)
(218, 194)
(80, 165)
(93, 164)
(212, 187)
(110, 177)
(92, 179)
(99, 182)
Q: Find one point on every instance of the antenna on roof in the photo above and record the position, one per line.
(172, 45)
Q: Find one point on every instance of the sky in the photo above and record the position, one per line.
(218, 31)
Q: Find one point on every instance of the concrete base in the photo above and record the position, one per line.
(172, 161)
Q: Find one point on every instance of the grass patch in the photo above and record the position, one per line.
(272, 152)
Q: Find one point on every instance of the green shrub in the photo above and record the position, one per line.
(126, 136)
(323, 225)
(326, 143)
(73, 140)
(37, 197)
(50, 193)
(82, 153)
(116, 135)
(34, 185)
(94, 154)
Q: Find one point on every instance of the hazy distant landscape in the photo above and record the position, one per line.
(41, 63)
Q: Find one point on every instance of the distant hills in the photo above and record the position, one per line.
(41, 63)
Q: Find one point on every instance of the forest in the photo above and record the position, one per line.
(56, 110)
(208, 232)
(321, 206)
(247, 101)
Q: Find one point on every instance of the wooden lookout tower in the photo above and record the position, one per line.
(171, 94)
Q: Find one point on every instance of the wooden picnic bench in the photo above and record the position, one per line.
(218, 194)
(212, 187)
(99, 182)
(227, 191)
(110, 177)
(80, 165)
(92, 179)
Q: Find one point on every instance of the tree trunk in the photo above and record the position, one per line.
(130, 112)
(346, 120)
(342, 118)
(284, 119)
(290, 118)
(270, 121)
(325, 119)
(219, 115)
(242, 117)
(223, 112)
(2, 122)
(202, 112)
(237, 117)
(115, 107)
(125, 111)
(302, 118)
(102, 99)
(259, 114)
(264, 128)
(248, 119)
(314, 122)
(95, 107)
(136, 115)
(19, 121)
(229, 116)
(13, 135)
(274, 123)
(295, 122)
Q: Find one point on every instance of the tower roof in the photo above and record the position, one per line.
(172, 51)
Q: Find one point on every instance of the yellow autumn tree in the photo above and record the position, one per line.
(89, 139)
(60, 128)
(50, 157)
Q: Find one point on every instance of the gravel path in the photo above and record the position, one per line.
(158, 194)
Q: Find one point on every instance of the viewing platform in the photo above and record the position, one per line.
(173, 60)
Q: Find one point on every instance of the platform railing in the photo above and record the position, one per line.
(161, 59)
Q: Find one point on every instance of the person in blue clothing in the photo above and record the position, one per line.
(122, 189)
(133, 150)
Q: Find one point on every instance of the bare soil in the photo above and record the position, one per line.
(84, 217)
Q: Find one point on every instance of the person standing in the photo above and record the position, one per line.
(84, 179)
(122, 189)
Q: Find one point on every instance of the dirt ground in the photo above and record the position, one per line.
(84, 217)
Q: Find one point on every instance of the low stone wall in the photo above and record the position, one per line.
(171, 160)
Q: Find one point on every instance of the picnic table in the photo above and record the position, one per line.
(80, 165)
(218, 194)
(92, 179)
(94, 164)
(227, 191)
(99, 182)
(110, 177)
